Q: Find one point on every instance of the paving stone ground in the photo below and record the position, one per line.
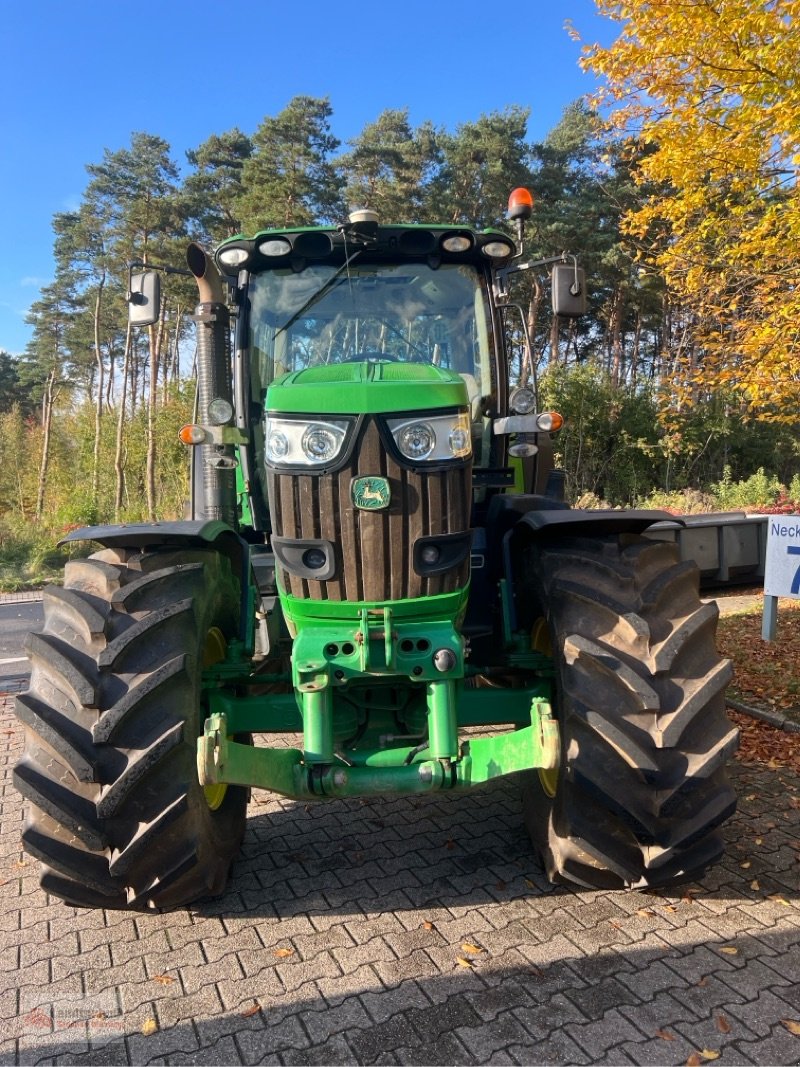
(349, 935)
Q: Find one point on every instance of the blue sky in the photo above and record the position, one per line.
(81, 75)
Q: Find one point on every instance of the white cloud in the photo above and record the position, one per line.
(32, 282)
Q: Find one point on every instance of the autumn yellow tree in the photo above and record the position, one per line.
(710, 90)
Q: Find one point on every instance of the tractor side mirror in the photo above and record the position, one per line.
(569, 290)
(144, 299)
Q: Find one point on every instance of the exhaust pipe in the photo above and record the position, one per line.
(214, 484)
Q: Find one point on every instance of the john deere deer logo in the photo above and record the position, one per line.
(371, 494)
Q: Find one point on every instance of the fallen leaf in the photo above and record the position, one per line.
(645, 911)
(792, 1025)
(528, 882)
(615, 924)
(665, 1035)
(670, 907)
(469, 947)
(464, 963)
(450, 845)
(759, 841)
(779, 899)
(149, 1027)
(282, 953)
(745, 865)
(694, 1060)
(723, 1025)
(501, 886)
(754, 885)
(250, 1012)
(427, 926)
(710, 1053)
(702, 983)
(163, 979)
(729, 950)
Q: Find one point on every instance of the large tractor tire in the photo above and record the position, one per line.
(641, 789)
(115, 812)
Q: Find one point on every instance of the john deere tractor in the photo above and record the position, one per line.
(378, 559)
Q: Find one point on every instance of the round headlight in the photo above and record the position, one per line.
(233, 257)
(417, 440)
(456, 243)
(497, 249)
(459, 441)
(319, 443)
(275, 246)
(522, 400)
(314, 559)
(277, 446)
(220, 411)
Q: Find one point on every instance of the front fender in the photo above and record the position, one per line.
(586, 523)
(539, 525)
(191, 533)
(143, 534)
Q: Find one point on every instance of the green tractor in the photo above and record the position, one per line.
(379, 559)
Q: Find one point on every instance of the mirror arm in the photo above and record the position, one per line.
(138, 298)
(515, 268)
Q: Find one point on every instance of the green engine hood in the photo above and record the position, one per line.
(367, 388)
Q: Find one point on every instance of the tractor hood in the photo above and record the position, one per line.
(372, 388)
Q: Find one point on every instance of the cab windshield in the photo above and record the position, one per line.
(403, 312)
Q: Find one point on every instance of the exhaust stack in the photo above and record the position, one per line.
(214, 466)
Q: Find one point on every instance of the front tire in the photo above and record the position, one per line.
(641, 790)
(115, 811)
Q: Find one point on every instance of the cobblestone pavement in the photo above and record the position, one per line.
(412, 931)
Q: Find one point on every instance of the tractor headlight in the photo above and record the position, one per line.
(303, 442)
(432, 439)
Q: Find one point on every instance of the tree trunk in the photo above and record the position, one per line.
(156, 336)
(554, 346)
(44, 462)
(176, 350)
(111, 392)
(636, 352)
(534, 304)
(119, 461)
(617, 353)
(98, 411)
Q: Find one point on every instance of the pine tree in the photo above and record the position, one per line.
(210, 193)
(389, 167)
(290, 179)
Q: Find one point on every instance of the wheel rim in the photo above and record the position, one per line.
(541, 642)
(214, 651)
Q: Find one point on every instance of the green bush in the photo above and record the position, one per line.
(29, 556)
(680, 502)
(758, 491)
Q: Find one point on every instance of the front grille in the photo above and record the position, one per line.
(374, 549)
